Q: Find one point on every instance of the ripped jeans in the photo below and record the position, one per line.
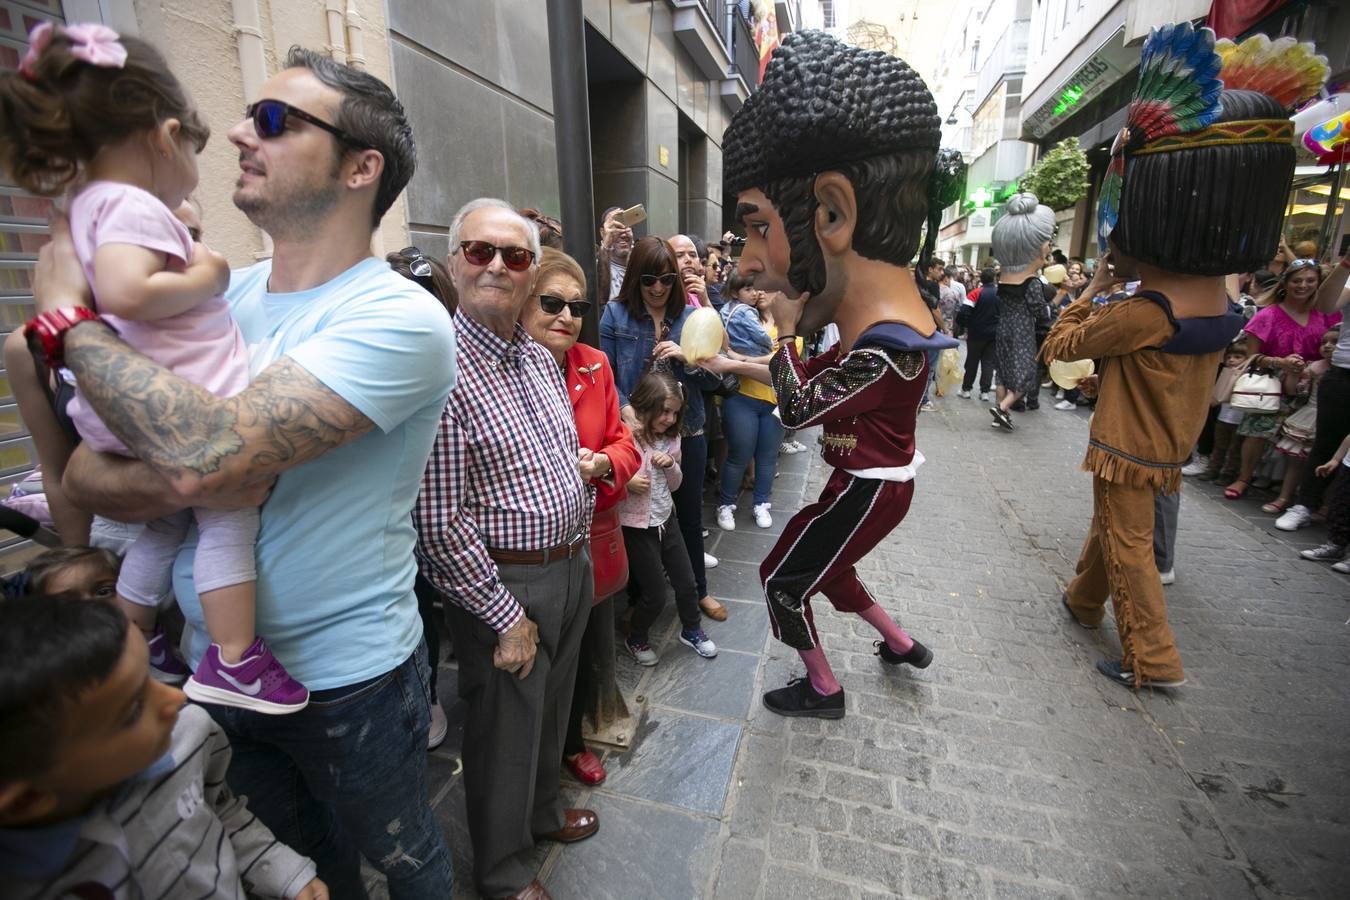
(346, 777)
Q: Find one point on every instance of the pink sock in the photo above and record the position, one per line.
(894, 635)
(819, 671)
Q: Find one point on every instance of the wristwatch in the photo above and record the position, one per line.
(50, 330)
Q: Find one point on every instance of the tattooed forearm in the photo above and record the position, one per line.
(189, 435)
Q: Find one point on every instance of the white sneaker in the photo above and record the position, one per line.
(439, 726)
(1343, 566)
(964, 395)
(1047, 384)
(762, 517)
(986, 395)
(801, 448)
(726, 518)
(927, 407)
(1059, 394)
(788, 448)
(1295, 517)
(1197, 466)
(1168, 577)
(710, 561)
(698, 641)
(1065, 404)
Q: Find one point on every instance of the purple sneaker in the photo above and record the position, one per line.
(166, 666)
(258, 682)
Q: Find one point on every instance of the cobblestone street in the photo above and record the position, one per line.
(1009, 768)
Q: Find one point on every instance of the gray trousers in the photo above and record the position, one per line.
(1166, 508)
(513, 736)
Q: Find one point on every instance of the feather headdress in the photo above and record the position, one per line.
(1284, 69)
(1178, 92)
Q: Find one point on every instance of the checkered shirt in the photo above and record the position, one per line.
(502, 473)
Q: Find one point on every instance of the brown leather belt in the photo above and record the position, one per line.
(538, 557)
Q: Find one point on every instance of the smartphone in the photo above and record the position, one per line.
(632, 215)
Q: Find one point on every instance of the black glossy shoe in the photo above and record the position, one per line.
(800, 698)
(1019, 406)
(918, 656)
(1112, 670)
(1001, 418)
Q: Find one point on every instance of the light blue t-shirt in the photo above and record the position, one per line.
(335, 551)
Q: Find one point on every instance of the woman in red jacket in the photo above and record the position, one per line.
(608, 458)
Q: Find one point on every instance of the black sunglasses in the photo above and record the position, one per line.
(269, 120)
(480, 253)
(418, 263)
(667, 279)
(554, 305)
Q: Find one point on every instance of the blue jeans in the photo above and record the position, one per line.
(932, 374)
(751, 430)
(346, 777)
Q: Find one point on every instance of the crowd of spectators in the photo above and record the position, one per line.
(422, 448)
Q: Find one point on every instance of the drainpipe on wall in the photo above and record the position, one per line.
(248, 32)
(253, 71)
(337, 41)
(356, 42)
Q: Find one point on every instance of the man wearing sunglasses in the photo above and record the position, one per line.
(353, 364)
(503, 525)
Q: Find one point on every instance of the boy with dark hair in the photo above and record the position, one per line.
(107, 789)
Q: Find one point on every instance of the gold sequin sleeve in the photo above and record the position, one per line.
(847, 389)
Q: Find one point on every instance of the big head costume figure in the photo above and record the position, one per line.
(1195, 191)
(834, 168)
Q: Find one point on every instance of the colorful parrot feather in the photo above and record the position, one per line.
(1283, 69)
(1108, 211)
(1179, 85)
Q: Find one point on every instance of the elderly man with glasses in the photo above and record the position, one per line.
(503, 525)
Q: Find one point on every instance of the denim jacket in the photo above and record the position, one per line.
(745, 332)
(628, 342)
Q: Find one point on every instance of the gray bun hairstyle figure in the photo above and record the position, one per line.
(1019, 237)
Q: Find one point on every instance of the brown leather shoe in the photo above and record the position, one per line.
(713, 609)
(532, 891)
(578, 824)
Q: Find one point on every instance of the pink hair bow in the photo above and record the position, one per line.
(97, 45)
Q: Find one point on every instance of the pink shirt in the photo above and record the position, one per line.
(202, 345)
(1281, 336)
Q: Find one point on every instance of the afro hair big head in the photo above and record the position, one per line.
(824, 104)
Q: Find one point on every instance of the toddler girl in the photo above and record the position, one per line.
(1297, 431)
(650, 533)
(102, 117)
(1226, 458)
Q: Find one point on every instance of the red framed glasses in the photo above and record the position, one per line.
(480, 253)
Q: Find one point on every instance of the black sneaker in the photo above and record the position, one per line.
(1112, 670)
(1001, 418)
(799, 698)
(1064, 599)
(918, 656)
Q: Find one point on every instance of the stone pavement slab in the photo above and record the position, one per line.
(1009, 768)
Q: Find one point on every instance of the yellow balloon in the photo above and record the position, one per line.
(702, 335)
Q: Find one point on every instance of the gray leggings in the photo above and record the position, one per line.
(224, 553)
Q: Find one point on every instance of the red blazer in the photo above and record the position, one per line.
(595, 406)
